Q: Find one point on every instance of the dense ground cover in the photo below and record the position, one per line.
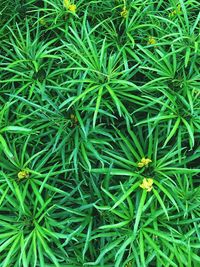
(99, 133)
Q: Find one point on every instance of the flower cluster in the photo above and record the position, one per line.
(176, 11)
(144, 162)
(124, 12)
(129, 264)
(147, 184)
(23, 174)
(69, 6)
(152, 40)
(42, 22)
(66, 3)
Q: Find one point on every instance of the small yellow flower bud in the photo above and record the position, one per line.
(147, 161)
(140, 164)
(42, 22)
(176, 11)
(23, 174)
(179, 8)
(66, 3)
(129, 264)
(124, 12)
(73, 118)
(152, 40)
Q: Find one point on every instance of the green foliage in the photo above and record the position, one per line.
(99, 133)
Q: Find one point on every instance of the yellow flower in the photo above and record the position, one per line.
(23, 174)
(144, 162)
(124, 12)
(152, 40)
(176, 11)
(173, 13)
(179, 8)
(140, 164)
(147, 161)
(147, 184)
(66, 3)
(129, 264)
(72, 8)
(42, 22)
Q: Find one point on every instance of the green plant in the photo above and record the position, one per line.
(99, 133)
